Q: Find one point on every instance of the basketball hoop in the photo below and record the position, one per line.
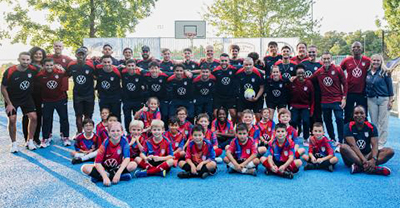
(190, 35)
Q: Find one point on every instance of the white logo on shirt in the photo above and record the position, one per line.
(24, 85)
(131, 87)
(181, 91)
(105, 85)
(276, 93)
(328, 81)
(156, 87)
(357, 72)
(361, 144)
(80, 79)
(52, 84)
(226, 80)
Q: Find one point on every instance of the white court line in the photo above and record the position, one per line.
(62, 148)
(60, 155)
(77, 178)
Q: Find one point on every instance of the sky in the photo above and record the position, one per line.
(339, 15)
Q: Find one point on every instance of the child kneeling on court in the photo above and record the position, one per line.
(279, 159)
(156, 158)
(113, 158)
(200, 156)
(85, 143)
(320, 152)
(241, 155)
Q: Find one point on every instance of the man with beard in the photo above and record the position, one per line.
(144, 63)
(301, 53)
(271, 58)
(286, 66)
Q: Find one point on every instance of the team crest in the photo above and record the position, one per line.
(163, 151)
(87, 71)
(186, 132)
(112, 78)
(203, 157)
(323, 149)
(209, 84)
(176, 144)
(171, 67)
(291, 68)
(136, 79)
(29, 75)
(160, 80)
(230, 73)
(63, 60)
(248, 151)
(305, 88)
(315, 68)
(363, 63)
(333, 72)
(56, 76)
(366, 134)
(184, 83)
(286, 153)
(280, 85)
(253, 80)
(193, 66)
(119, 151)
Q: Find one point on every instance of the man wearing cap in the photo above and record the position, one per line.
(144, 63)
(82, 71)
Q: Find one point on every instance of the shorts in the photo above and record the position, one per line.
(27, 106)
(155, 164)
(292, 167)
(95, 174)
(276, 105)
(228, 103)
(255, 106)
(83, 106)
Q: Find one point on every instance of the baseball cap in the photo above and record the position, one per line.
(145, 48)
(81, 50)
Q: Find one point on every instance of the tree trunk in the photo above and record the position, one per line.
(91, 18)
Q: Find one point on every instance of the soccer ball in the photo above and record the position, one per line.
(249, 93)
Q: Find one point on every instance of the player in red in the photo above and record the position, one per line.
(241, 155)
(356, 67)
(301, 53)
(136, 138)
(149, 112)
(60, 61)
(279, 159)
(85, 143)
(103, 133)
(320, 152)
(266, 126)
(50, 81)
(235, 61)
(284, 117)
(200, 157)
(185, 126)
(112, 162)
(286, 66)
(209, 61)
(157, 156)
(253, 130)
(16, 88)
(223, 128)
(271, 58)
(177, 139)
(204, 120)
(102, 125)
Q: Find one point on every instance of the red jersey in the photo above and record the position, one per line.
(186, 128)
(51, 85)
(134, 149)
(102, 133)
(212, 137)
(64, 62)
(216, 126)
(280, 153)
(266, 128)
(254, 133)
(356, 73)
(177, 140)
(111, 155)
(292, 133)
(198, 155)
(85, 144)
(301, 94)
(147, 117)
(331, 81)
(242, 151)
(298, 60)
(162, 148)
(320, 148)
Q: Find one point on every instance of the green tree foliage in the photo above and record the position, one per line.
(262, 18)
(392, 16)
(73, 20)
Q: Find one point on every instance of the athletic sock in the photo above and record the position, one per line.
(154, 170)
(89, 156)
(77, 155)
(144, 165)
(177, 156)
(250, 165)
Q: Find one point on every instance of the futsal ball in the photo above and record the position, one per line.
(249, 93)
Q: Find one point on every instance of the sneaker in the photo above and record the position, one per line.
(218, 160)
(184, 174)
(306, 143)
(48, 141)
(14, 147)
(382, 170)
(31, 146)
(204, 175)
(309, 166)
(43, 144)
(330, 168)
(162, 173)
(76, 160)
(230, 170)
(126, 177)
(94, 180)
(355, 169)
(287, 174)
(337, 149)
(66, 142)
(140, 173)
(252, 172)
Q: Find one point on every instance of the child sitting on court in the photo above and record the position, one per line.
(136, 138)
(200, 156)
(320, 152)
(156, 157)
(85, 143)
(241, 155)
(284, 117)
(266, 126)
(103, 134)
(149, 112)
(102, 126)
(176, 138)
(184, 125)
(253, 130)
(223, 128)
(113, 158)
(279, 158)
(204, 120)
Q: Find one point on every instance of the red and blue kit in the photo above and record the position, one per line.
(223, 128)
(102, 133)
(242, 151)
(292, 133)
(320, 148)
(85, 144)
(134, 149)
(111, 155)
(186, 128)
(280, 153)
(266, 128)
(198, 155)
(161, 149)
(177, 140)
(254, 133)
(147, 117)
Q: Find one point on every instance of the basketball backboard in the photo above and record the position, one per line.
(194, 29)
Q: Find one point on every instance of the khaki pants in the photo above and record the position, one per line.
(379, 112)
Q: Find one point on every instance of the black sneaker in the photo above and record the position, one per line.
(309, 166)
(267, 172)
(76, 160)
(184, 174)
(287, 174)
(330, 168)
(204, 175)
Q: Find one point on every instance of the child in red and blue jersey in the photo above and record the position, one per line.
(113, 158)
(102, 126)
(184, 125)
(85, 143)
(284, 117)
(241, 155)
(279, 159)
(223, 128)
(204, 120)
(176, 138)
(200, 156)
(148, 113)
(103, 132)
(266, 126)
(136, 138)
(156, 158)
(320, 152)
(253, 130)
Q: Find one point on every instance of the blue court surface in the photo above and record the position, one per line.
(46, 178)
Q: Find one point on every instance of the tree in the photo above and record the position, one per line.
(72, 20)
(392, 16)
(262, 18)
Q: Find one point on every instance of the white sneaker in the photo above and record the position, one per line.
(43, 144)
(31, 146)
(66, 142)
(337, 149)
(48, 141)
(14, 147)
(218, 160)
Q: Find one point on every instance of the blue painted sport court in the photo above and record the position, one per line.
(46, 178)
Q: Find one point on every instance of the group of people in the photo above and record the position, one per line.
(305, 93)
